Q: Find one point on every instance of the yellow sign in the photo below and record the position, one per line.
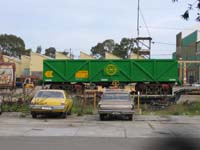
(81, 74)
(110, 69)
(49, 74)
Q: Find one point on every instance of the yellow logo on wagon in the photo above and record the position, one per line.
(110, 69)
(48, 74)
(82, 74)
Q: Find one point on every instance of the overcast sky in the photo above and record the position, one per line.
(81, 24)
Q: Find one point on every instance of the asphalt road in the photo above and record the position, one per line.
(88, 133)
(88, 143)
(90, 126)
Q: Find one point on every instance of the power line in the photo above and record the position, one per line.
(167, 28)
(156, 42)
(162, 54)
(171, 44)
(145, 22)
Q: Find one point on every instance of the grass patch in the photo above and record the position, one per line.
(87, 109)
(81, 108)
(15, 108)
(78, 108)
(175, 109)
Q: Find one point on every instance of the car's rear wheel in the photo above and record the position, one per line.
(63, 115)
(69, 112)
(0, 109)
(102, 117)
(34, 115)
(130, 117)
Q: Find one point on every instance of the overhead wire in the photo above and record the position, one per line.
(164, 43)
(167, 28)
(145, 22)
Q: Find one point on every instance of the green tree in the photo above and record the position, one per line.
(118, 51)
(124, 48)
(186, 14)
(27, 52)
(39, 50)
(11, 45)
(121, 50)
(99, 50)
(51, 52)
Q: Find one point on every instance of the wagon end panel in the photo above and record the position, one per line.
(155, 70)
(54, 70)
(167, 71)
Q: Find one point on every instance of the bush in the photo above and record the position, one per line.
(15, 108)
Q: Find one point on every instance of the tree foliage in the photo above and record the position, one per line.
(51, 52)
(101, 48)
(124, 48)
(186, 14)
(39, 50)
(121, 49)
(27, 52)
(11, 45)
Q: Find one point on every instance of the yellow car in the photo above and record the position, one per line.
(51, 101)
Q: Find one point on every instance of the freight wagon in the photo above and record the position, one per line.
(152, 76)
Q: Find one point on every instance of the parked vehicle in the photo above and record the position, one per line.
(51, 101)
(116, 102)
(28, 83)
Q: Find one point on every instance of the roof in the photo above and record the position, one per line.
(85, 56)
(44, 56)
(111, 56)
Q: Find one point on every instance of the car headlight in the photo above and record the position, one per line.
(62, 104)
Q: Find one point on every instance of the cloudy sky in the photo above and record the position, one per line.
(81, 24)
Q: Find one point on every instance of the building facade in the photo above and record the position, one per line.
(31, 65)
(188, 48)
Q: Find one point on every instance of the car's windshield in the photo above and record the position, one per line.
(49, 94)
(116, 96)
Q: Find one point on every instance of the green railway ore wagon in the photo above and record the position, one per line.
(100, 71)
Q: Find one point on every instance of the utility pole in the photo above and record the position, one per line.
(143, 43)
(138, 27)
(70, 53)
(138, 19)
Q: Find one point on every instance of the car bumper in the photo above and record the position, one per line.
(43, 108)
(116, 112)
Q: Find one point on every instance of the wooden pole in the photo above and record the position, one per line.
(138, 102)
(181, 71)
(95, 101)
(184, 74)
